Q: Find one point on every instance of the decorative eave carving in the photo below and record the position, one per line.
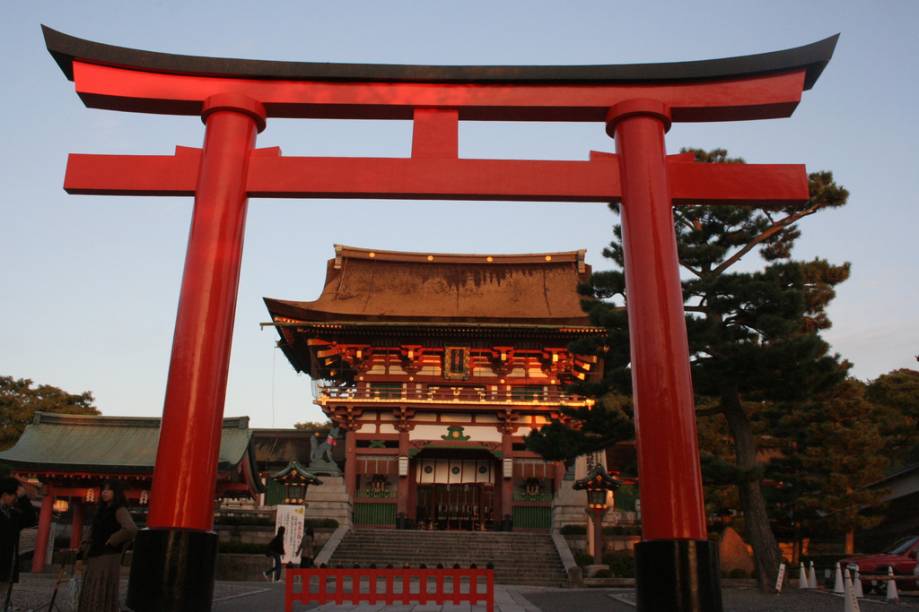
(501, 359)
(506, 420)
(404, 416)
(411, 355)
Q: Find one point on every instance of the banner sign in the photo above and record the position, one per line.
(291, 517)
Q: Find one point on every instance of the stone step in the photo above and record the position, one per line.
(518, 557)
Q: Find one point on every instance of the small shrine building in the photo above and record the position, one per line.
(70, 456)
(436, 367)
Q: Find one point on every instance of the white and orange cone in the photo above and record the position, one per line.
(892, 594)
(812, 577)
(838, 586)
(851, 601)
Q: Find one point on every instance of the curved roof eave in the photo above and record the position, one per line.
(813, 58)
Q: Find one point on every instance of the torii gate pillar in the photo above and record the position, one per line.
(674, 554)
(179, 524)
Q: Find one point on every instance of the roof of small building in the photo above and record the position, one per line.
(63, 442)
(299, 471)
(364, 285)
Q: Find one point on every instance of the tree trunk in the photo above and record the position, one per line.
(758, 532)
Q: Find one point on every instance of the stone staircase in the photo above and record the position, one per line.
(518, 557)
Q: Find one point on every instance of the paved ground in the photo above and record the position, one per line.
(735, 600)
(34, 593)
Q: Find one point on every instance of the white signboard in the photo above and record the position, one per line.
(780, 579)
(291, 517)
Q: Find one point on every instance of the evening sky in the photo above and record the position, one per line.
(89, 285)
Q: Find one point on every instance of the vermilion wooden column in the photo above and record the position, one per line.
(402, 502)
(350, 463)
(507, 484)
(674, 552)
(76, 523)
(44, 532)
(174, 560)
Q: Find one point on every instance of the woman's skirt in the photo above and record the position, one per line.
(99, 592)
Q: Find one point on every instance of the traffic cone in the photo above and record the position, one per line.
(802, 578)
(857, 583)
(838, 586)
(892, 595)
(851, 602)
(812, 577)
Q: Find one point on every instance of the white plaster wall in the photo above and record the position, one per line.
(435, 432)
(451, 417)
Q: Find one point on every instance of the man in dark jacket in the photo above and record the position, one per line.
(16, 513)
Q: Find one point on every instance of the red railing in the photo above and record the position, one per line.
(388, 586)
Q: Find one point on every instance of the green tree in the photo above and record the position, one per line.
(19, 400)
(832, 448)
(754, 336)
(313, 426)
(897, 394)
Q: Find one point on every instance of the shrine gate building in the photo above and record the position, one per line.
(437, 366)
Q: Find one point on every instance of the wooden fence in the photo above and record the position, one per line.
(389, 586)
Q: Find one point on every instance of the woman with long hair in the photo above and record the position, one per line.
(275, 551)
(112, 530)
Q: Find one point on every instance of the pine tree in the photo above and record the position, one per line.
(897, 394)
(754, 337)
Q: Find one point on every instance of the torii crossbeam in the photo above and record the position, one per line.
(676, 566)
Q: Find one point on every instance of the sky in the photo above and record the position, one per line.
(89, 284)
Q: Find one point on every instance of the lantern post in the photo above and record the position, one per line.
(601, 497)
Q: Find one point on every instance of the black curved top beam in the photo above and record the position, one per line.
(813, 58)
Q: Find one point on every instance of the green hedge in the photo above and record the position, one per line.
(611, 530)
(262, 521)
(244, 548)
(621, 564)
(243, 519)
(622, 530)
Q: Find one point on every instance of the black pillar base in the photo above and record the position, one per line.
(678, 576)
(173, 571)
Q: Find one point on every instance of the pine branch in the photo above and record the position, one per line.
(780, 225)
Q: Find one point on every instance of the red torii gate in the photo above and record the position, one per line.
(676, 566)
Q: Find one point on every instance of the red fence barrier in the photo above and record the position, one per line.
(388, 586)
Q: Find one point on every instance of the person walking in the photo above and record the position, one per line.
(112, 530)
(275, 551)
(306, 548)
(16, 513)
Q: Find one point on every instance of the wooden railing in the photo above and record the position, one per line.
(446, 393)
(389, 586)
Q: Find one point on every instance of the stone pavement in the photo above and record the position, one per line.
(34, 593)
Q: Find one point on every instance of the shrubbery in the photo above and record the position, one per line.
(621, 563)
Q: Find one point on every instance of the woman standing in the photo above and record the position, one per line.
(275, 551)
(111, 531)
(306, 548)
